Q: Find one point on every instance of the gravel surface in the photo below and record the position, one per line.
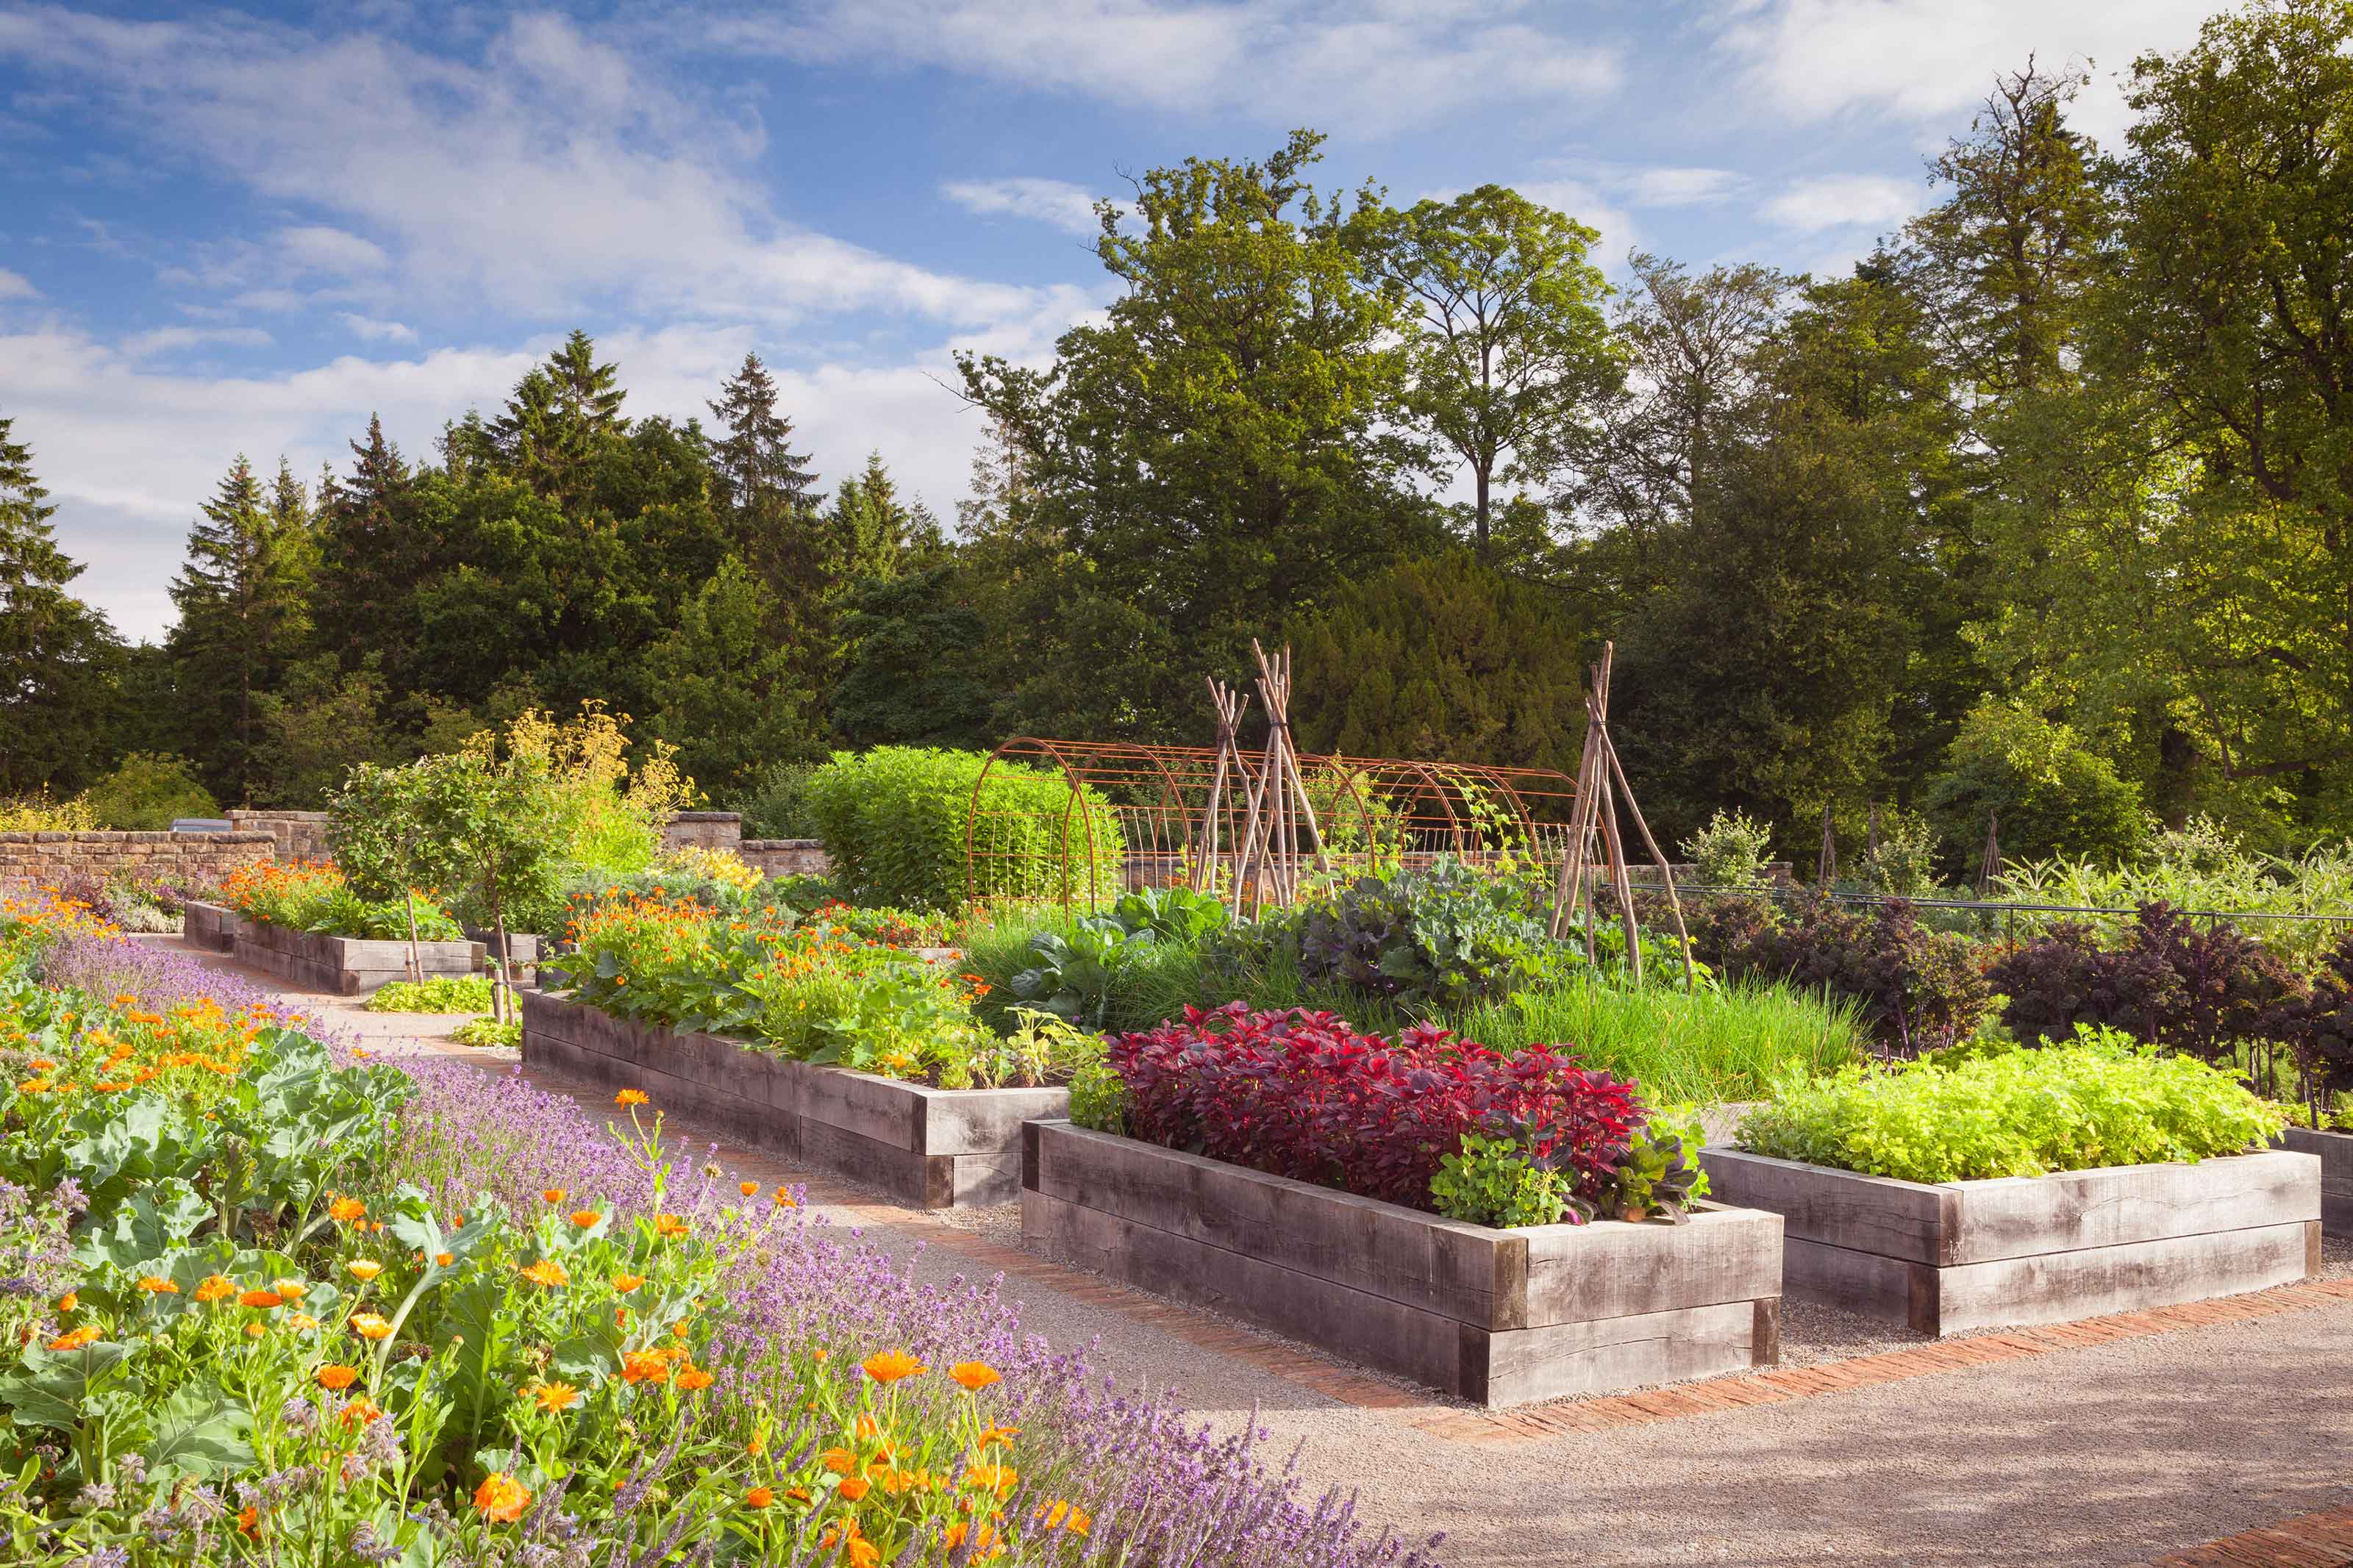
(2099, 1458)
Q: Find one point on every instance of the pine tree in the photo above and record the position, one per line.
(766, 495)
(56, 652)
(870, 533)
(243, 598)
(560, 415)
(372, 554)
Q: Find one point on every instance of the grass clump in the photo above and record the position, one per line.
(2101, 1099)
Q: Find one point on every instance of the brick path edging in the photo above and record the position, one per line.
(2323, 1540)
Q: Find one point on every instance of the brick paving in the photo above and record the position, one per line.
(2323, 1540)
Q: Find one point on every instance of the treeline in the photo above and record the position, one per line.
(2041, 510)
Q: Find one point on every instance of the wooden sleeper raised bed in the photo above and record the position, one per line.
(1493, 1316)
(2336, 1153)
(933, 1148)
(1950, 1257)
(349, 965)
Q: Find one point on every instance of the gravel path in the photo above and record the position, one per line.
(2096, 1457)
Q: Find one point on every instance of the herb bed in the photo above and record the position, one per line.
(348, 965)
(933, 1148)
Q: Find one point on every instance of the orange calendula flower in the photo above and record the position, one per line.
(262, 1298)
(973, 1376)
(337, 1378)
(855, 1487)
(501, 1498)
(999, 1479)
(625, 1283)
(248, 1521)
(984, 1539)
(68, 1301)
(301, 1320)
(254, 1331)
(694, 1380)
(760, 1497)
(291, 1289)
(1060, 1515)
(630, 1097)
(371, 1326)
(342, 1211)
(999, 1437)
(747, 1188)
(87, 1334)
(757, 1446)
(669, 1225)
(840, 1461)
(34, 1086)
(584, 1218)
(365, 1269)
(156, 1285)
(555, 1194)
(553, 1397)
(361, 1411)
(645, 1366)
(890, 1366)
(444, 1258)
(214, 1287)
(547, 1272)
(783, 1200)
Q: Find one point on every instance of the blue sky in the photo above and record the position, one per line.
(226, 231)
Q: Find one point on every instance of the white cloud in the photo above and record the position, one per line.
(1927, 60)
(544, 177)
(317, 247)
(1673, 187)
(373, 331)
(171, 340)
(17, 285)
(1058, 203)
(1386, 64)
(1837, 201)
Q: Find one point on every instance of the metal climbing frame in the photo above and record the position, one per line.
(1131, 815)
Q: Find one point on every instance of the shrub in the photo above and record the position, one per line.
(1302, 1095)
(2169, 982)
(1731, 851)
(895, 821)
(1444, 936)
(146, 792)
(39, 813)
(777, 806)
(2317, 1026)
(1905, 863)
(2051, 795)
(1918, 989)
(2098, 1100)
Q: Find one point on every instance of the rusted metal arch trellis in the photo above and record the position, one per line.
(1182, 812)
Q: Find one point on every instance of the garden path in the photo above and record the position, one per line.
(2107, 1445)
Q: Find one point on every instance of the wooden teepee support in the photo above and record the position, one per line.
(1825, 865)
(1989, 868)
(1600, 781)
(1270, 850)
(1230, 705)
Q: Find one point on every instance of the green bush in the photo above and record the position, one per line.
(895, 819)
(146, 793)
(777, 805)
(1731, 851)
(2051, 794)
(2103, 1100)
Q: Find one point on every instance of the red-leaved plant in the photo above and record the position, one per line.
(1301, 1094)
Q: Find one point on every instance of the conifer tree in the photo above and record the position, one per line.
(765, 493)
(56, 652)
(560, 415)
(243, 598)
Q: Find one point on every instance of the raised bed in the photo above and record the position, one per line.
(1951, 1257)
(2336, 1151)
(346, 964)
(1495, 1317)
(933, 1148)
(525, 946)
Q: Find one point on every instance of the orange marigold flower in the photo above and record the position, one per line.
(783, 1200)
(890, 1366)
(984, 1539)
(973, 1375)
(553, 1397)
(694, 1380)
(68, 1301)
(501, 1498)
(263, 1299)
(645, 1366)
(759, 1497)
(1061, 1515)
(999, 1479)
(34, 1086)
(365, 1269)
(303, 1320)
(838, 1460)
(855, 1487)
(669, 1225)
(555, 1194)
(361, 1411)
(444, 1258)
(625, 1283)
(547, 1272)
(747, 1188)
(248, 1521)
(291, 1289)
(584, 1218)
(156, 1285)
(371, 1326)
(213, 1286)
(342, 1211)
(999, 1437)
(630, 1097)
(87, 1334)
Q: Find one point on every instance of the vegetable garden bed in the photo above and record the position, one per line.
(1495, 1317)
(1950, 1257)
(2336, 1151)
(934, 1148)
(349, 965)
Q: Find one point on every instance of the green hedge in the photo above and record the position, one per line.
(894, 821)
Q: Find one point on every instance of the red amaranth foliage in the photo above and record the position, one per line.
(1301, 1094)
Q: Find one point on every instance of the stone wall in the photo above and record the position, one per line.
(299, 834)
(788, 856)
(703, 830)
(44, 860)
